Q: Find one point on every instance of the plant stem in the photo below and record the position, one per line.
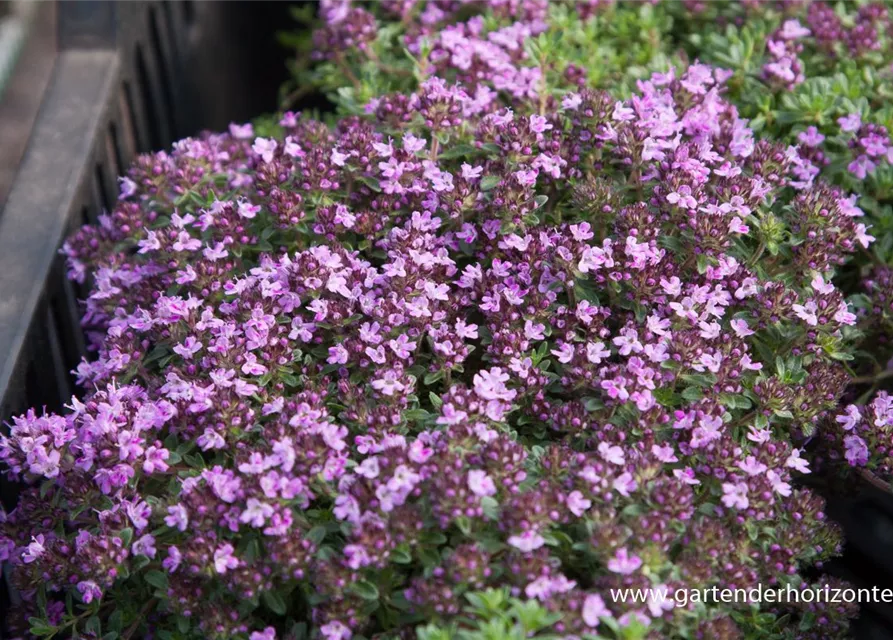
(136, 623)
(350, 74)
(760, 249)
(873, 480)
(883, 375)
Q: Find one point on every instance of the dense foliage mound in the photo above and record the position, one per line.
(814, 75)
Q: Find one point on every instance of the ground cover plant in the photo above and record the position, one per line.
(464, 358)
(816, 76)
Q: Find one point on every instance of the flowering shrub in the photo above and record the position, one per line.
(813, 75)
(447, 369)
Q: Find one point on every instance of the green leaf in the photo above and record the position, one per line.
(370, 182)
(416, 415)
(316, 534)
(491, 507)
(458, 151)
(126, 536)
(779, 366)
(274, 601)
(365, 590)
(116, 620)
(157, 579)
(490, 182)
(94, 625)
(40, 627)
(400, 556)
(692, 394)
(298, 631)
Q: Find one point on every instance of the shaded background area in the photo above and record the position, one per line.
(245, 46)
(232, 71)
(22, 86)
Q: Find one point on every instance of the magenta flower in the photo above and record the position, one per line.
(735, 495)
(224, 560)
(623, 563)
(89, 591)
(480, 483)
(527, 541)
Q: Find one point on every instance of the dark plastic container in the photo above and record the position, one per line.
(127, 77)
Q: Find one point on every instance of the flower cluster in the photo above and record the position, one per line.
(813, 75)
(495, 339)
(864, 434)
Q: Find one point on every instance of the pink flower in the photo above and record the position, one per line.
(660, 601)
(807, 312)
(624, 484)
(843, 315)
(751, 466)
(338, 158)
(778, 485)
(863, 237)
(793, 30)
(811, 137)
(534, 331)
(596, 352)
(89, 591)
(267, 634)
(490, 385)
(389, 383)
(748, 364)
(565, 354)
(265, 148)
(735, 495)
(144, 546)
(593, 609)
(664, 453)
(256, 513)
(527, 541)
(526, 178)
(338, 355)
(335, 630)
(683, 198)
(737, 226)
(538, 124)
(155, 460)
(546, 586)
(611, 453)
(173, 560)
(797, 463)
(850, 418)
(577, 504)
(34, 550)
(856, 451)
(128, 188)
(248, 210)
(623, 563)
(241, 131)
(480, 483)
(177, 518)
(850, 123)
(571, 102)
(224, 560)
